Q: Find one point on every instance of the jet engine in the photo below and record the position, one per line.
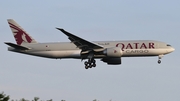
(115, 52)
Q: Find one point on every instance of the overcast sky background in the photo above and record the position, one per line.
(137, 79)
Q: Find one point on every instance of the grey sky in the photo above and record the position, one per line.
(137, 79)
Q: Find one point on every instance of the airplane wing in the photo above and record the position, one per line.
(17, 46)
(81, 43)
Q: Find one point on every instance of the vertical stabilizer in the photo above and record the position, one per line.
(20, 35)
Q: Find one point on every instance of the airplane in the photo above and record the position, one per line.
(109, 52)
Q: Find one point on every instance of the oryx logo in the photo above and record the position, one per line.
(20, 35)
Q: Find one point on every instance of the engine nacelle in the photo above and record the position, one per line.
(115, 52)
(112, 61)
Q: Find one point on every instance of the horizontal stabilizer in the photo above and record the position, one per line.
(17, 46)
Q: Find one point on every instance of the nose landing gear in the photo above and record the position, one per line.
(159, 58)
(159, 61)
(90, 63)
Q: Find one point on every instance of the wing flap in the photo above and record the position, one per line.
(17, 46)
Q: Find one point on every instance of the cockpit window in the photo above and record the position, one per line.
(168, 45)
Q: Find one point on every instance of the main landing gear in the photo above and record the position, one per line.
(90, 63)
(159, 58)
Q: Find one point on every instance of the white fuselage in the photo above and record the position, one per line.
(109, 52)
(69, 50)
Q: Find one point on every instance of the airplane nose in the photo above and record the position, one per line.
(172, 49)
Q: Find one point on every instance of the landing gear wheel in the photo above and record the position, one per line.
(159, 61)
(94, 65)
(86, 67)
(90, 66)
(85, 63)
